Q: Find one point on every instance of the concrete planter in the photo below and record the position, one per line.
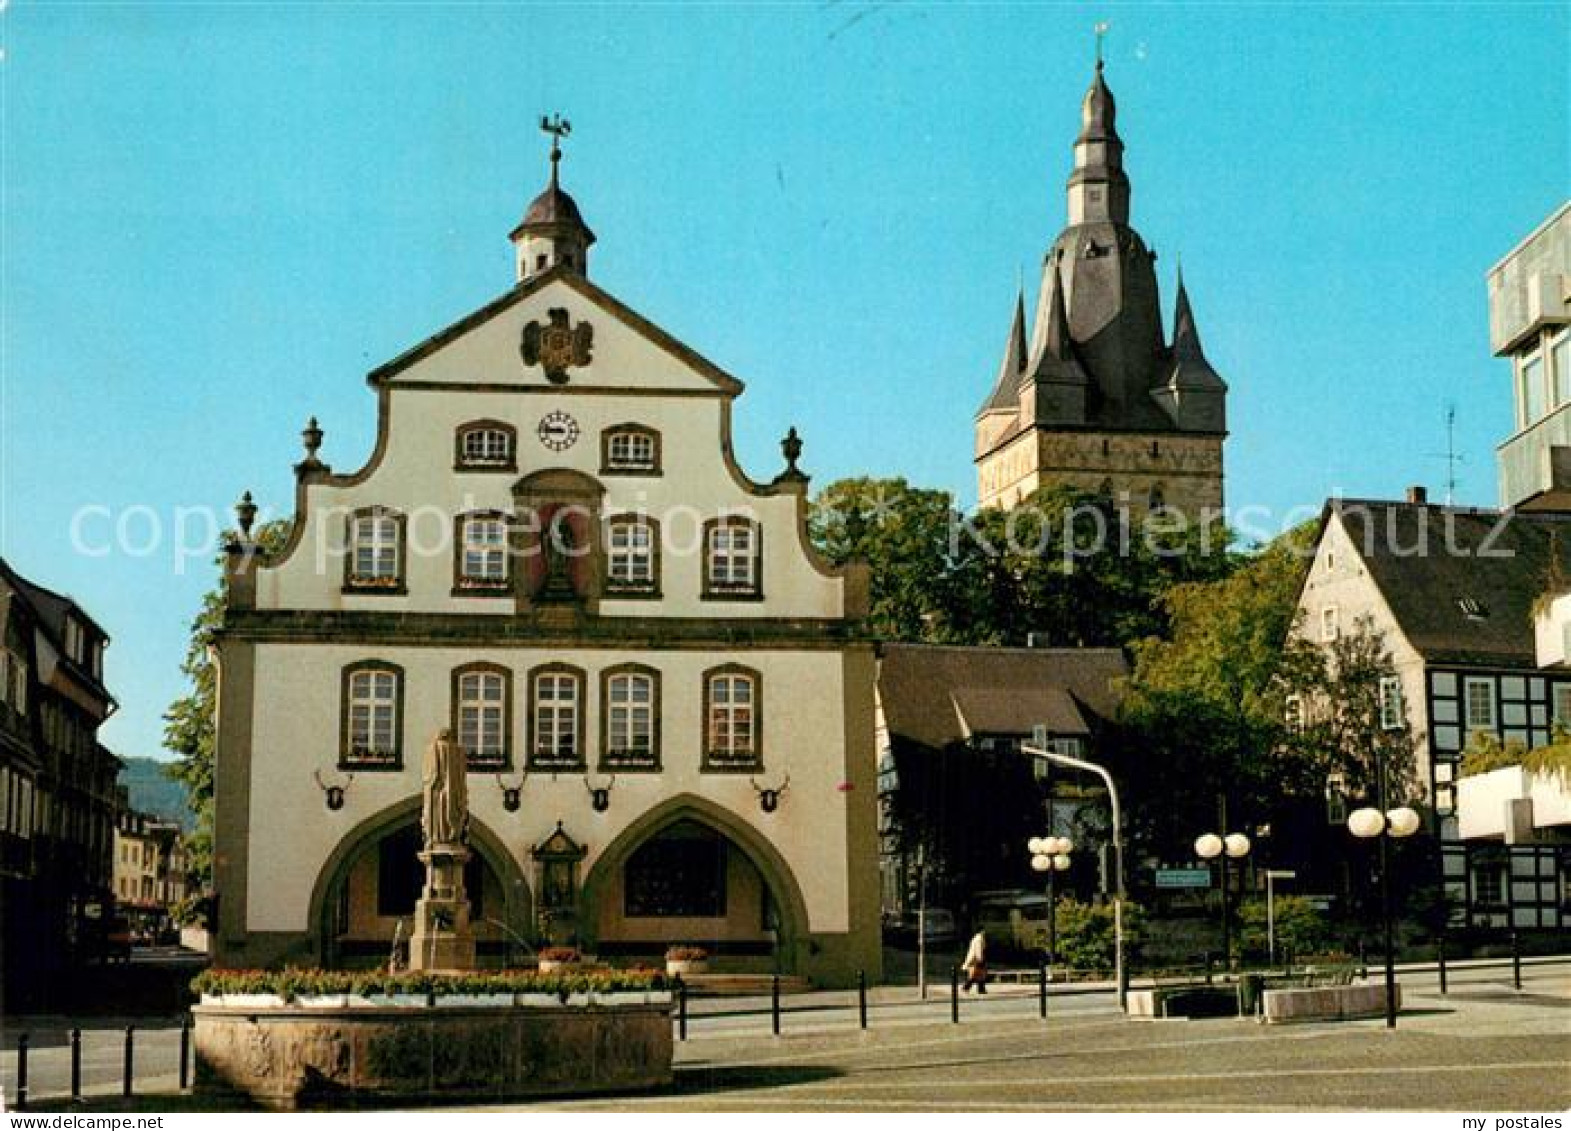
(547, 965)
(245, 1001)
(474, 1001)
(287, 1057)
(685, 967)
(322, 1001)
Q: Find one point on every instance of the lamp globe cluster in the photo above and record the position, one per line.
(1402, 821)
(1210, 846)
(1049, 853)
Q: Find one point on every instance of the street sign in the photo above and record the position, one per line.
(1183, 877)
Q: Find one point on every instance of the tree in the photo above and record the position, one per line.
(189, 731)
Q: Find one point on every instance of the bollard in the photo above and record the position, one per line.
(774, 1005)
(21, 1071)
(130, 1057)
(954, 995)
(681, 1008)
(185, 1052)
(1041, 987)
(76, 1064)
(1440, 961)
(861, 998)
(1516, 960)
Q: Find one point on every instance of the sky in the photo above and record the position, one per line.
(215, 219)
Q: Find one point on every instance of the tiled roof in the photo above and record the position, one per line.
(936, 695)
(1461, 583)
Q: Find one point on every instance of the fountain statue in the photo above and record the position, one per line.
(443, 938)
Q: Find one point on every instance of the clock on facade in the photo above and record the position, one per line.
(557, 431)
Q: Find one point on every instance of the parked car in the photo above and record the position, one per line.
(940, 927)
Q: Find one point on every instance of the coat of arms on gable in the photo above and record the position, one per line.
(557, 345)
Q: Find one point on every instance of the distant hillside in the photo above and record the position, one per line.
(152, 792)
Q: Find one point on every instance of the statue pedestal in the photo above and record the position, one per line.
(443, 938)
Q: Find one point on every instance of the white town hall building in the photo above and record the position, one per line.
(662, 694)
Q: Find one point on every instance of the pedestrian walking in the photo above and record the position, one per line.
(975, 964)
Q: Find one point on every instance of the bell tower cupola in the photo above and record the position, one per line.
(1098, 187)
(553, 231)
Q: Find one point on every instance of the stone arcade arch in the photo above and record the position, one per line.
(790, 907)
(518, 900)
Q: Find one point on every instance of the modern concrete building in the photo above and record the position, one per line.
(57, 790)
(662, 693)
(1090, 394)
(1530, 326)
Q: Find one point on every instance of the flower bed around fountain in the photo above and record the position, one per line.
(293, 1038)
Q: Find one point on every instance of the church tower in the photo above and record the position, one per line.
(553, 230)
(1099, 399)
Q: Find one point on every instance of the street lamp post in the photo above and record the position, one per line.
(1050, 854)
(1121, 972)
(1233, 846)
(1382, 824)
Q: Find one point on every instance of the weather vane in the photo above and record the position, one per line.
(558, 127)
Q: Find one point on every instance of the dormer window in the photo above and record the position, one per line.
(630, 449)
(486, 445)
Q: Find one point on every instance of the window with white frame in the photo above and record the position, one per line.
(731, 719)
(1478, 704)
(731, 557)
(374, 549)
(482, 551)
(631, 449)
(485, 445)
(1392, 716)
(1560, 358)
(556, 712)
(1561, 705)
(1532, 388)
(1330, 623)
(630, 739)
(630, 555)
(371, 710)
(480, 718)
(74, 640)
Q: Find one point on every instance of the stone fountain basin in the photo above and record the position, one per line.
(296, 1055)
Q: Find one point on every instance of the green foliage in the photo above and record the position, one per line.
(1485, 752)
(1086, 935)
(189, 722)
(1301, 927)
(291, 983)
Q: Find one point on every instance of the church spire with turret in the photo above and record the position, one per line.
(1102, 396)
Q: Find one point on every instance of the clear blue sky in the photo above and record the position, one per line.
(217, 218)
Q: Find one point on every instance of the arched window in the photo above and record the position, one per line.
(482, 715)
(556, 717)
(485, 445)
(630, 718)
(732, 719)
(732, 559)
(375, 561)
(633, 556)
(481, 557)
(372, 716)
(629, 449)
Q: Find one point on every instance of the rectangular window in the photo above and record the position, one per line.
(733, 558)
(1560, 352)
(24, 809)
(1489, 883)
(486, 447)
(1392, 716)
(1330, 627)
(374, 552)
(556, 715)
(483, 560)
(1478, 704)
(373, 717)
(1561, 701)
(630, 720)
(1532, 389)
(631, 556)
(482, 718)
(732, 734)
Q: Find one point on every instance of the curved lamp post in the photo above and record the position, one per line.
(1233, 846)
(1382, 824)
(1050, 854)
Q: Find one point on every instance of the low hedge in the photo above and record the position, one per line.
(294, 982)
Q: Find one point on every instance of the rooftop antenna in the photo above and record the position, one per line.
(1453, 458)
